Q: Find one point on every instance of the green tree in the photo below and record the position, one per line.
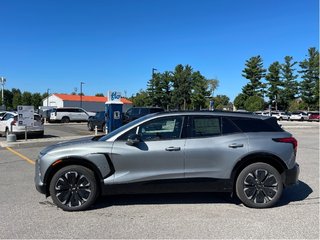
(254, 72)
(221, 102)
(26, 98)
(199, 91)
(254, 103)
(309, 86)
(99, 95)
(141, 99)
(274, 83)
(36, 100)
(154, 89)
(16, 100)
(289, 80)
(296, 105)
(182, 84)
(240, 100)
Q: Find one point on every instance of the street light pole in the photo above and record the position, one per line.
(81, 83)
(153, 70)
(2, 81)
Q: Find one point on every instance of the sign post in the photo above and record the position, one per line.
(26, 118)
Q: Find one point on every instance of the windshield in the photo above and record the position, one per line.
(124, 127)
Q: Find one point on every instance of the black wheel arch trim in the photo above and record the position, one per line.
(77, 160)
(264, 157)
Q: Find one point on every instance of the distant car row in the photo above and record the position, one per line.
(132, 114)
(9, 124)
(294, 116)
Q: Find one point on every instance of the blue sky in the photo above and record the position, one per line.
(114, 44)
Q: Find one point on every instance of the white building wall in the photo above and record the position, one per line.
(54, 101)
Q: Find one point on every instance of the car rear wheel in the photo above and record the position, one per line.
(90, 127)
(259, 185)
(65, 120)
(73, 188)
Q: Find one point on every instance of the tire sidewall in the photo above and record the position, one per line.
(240, 179)
(82, 170)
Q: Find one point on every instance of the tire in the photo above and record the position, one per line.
(65, 120)
(7, 132)
(280, 119)
(90, 127)
(73, 188)
(259, 185)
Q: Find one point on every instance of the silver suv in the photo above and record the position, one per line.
(249, 155)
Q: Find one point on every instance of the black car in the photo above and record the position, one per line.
(137, 112)
(97, 120)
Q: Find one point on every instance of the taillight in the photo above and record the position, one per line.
(13, 123)
(291, 140)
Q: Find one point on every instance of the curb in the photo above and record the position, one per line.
(40, 142)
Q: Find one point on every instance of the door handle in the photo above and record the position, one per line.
(235, 145)
(171, 149)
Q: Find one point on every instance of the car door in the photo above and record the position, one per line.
(6, 122)
(158, 156)
(213, 147)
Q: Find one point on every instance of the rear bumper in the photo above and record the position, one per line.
(291, 176)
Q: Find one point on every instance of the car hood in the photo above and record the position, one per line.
(80, 146)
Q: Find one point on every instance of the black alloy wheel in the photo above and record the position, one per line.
(259, 185)
(73, 188)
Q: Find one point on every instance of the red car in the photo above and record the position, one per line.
(314, 116)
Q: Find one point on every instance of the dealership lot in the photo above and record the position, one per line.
(27, 214)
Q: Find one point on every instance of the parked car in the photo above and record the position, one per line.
(2, 113)
(314, 116)
(249, 155)
(281, 115)
(299, 116)
(10, 121)
(70, 114)
(137, 112)
(98, 120)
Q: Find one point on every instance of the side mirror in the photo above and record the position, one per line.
(133, 139)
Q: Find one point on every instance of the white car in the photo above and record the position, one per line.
(9, 121)
(281, 116)
(299, 116)
(70, 114)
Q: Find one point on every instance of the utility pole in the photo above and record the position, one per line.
(2, 81)
(48, 97)
(81, 83)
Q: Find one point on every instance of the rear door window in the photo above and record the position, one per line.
(205, 126)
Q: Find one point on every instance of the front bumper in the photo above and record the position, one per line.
(291, 176)
(40, 186)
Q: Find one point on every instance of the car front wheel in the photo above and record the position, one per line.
(73, 188)
(259, 185)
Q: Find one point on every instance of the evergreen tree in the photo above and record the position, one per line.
(254, 72)
(289, 80)
(274, 83)
(309, 87)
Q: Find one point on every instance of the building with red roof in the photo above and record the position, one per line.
(89, 103)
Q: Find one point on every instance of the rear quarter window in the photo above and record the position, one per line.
(257, 125)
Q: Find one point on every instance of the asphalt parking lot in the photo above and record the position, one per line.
(25, 213)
